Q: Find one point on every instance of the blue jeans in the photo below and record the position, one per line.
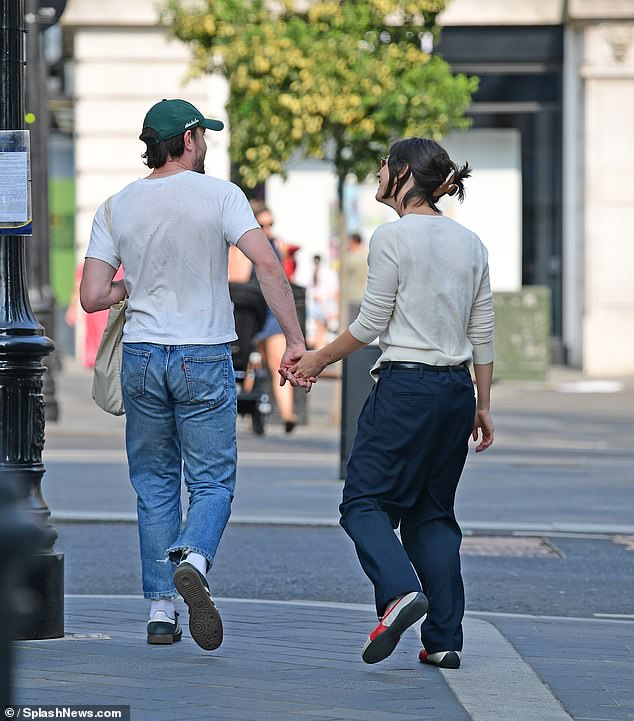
(180, 403)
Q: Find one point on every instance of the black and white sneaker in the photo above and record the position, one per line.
(205, 624)
(161, 629)
(442, 659)
(400, 614)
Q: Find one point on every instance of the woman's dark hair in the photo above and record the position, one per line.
(156, 154)
(433, 172)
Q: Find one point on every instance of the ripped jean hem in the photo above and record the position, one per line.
(161, 595)
(176, 553)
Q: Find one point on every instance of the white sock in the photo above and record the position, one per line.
(163, 604)
(198, 561)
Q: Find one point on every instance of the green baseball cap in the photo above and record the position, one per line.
(173, 117)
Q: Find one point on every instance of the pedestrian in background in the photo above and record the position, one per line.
(355, 273)
(172, 231)
(429, 301)
(322, 299)
(90, 331)
(270, 340)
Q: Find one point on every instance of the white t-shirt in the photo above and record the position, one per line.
(172, 237)
(428, 297)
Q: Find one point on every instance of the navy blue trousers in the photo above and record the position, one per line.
(404, 467)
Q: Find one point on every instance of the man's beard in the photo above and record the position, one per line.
(199, 167)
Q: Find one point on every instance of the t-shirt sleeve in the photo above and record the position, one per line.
(102, 245)
(237, 216)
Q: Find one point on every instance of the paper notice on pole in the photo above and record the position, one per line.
(14, 187)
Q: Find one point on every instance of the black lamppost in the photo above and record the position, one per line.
(22, 349)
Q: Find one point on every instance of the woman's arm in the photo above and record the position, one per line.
(483, 422)
(313, 362)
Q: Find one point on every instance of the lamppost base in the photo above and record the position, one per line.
(44, 583)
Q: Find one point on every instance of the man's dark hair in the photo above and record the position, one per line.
(356, 238)
(156, 154)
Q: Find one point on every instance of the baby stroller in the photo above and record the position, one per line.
(249, 312)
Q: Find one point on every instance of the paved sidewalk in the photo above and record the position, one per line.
(279, 661)
(283, 661)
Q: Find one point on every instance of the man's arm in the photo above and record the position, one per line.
(276, 289)
(97, 290)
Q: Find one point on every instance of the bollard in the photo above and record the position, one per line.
(20, 538)
(356, 384)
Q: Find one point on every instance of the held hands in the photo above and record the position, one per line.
(309, 366)
(289, 360)
(301, 369)
(483, 423)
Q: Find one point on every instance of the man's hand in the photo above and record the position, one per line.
(483, 423)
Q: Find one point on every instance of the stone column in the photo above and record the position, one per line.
(608, 75)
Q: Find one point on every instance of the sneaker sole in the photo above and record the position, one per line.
(163, 639)
(205, 624)
(383, 645)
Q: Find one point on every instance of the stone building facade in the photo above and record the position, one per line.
(576, 133)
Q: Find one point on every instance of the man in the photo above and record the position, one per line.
(171, 231)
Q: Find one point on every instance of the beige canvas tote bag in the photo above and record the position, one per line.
(106, 379)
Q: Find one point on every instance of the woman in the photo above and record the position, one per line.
(429, 301)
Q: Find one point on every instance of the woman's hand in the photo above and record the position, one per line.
(483, 423)
(309, 366)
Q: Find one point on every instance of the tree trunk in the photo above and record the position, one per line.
(343, 252)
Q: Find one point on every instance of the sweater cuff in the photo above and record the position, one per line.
(483, 353)
(360, 333)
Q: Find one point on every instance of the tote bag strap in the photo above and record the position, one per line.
(108, 214)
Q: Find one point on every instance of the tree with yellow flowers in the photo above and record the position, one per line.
(334, 79)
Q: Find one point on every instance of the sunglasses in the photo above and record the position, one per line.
(383, 162)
